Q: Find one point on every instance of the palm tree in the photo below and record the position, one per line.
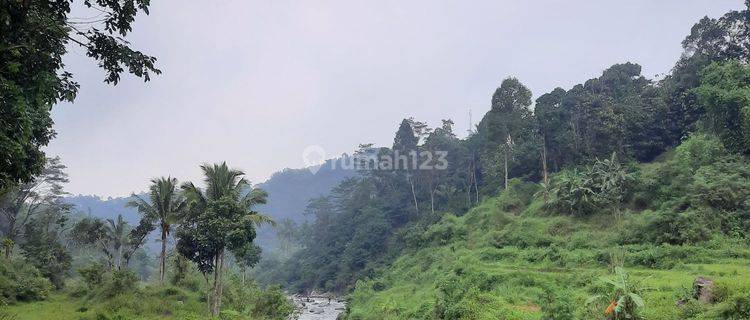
(165, 206)
(116, 234)
(223, 183)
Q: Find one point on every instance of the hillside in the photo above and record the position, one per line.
(510, 258)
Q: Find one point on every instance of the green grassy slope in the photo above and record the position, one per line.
(495, 264)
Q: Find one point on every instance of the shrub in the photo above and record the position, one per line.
(603, 185)
(698, 150)
(736, 308)
(273, 304)
(450, 229)
(93, 274)
(668, 226)
(20, 281)
(524, 233)
(121, 281)
(518, 195)
(557, 305)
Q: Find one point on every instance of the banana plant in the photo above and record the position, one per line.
(624, 300)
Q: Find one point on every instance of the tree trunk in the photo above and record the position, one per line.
(476, 184)
(209, 301)
(163, 261)
(544, 160)
(218, 269)
(414, 194)
(243, 270)
(432, 202)
(8, 249)
(506, 170)
(221, 283)
(215, 291)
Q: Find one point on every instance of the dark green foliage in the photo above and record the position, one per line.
(738, 307)
(272, 304)
(449, 229)
(20, 281)
(669, 227)
(119, 282)
(557, 305)
(601, 186)
(518, 195)
(42, 249)
(34, 36)
(93, 275)
(724, 95)
(114, 238)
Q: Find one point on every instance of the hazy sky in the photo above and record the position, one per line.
(255, 82)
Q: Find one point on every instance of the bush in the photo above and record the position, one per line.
(121, 281)
(668, 226)
(737, 308)
(450, 229)
(699, 150)
(557, 305)
(93, 275)
(20, 281)
(524, 233)
(272, 303)
(518, 195)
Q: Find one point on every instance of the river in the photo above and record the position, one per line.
(318, 308)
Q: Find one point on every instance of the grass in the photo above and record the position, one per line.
(503, 266)
(148, 303)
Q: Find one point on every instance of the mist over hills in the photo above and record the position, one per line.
(288, 190)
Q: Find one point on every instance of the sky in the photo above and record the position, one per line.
(255, 83)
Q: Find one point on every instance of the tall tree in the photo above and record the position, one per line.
(506, 124)
(34, 37)
(19, 205)
(165, 206)
(710, 40)
(406, 154)
(220, 217)
(114, 237)
(725, 95)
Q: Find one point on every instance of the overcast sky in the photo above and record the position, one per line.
(255, 82)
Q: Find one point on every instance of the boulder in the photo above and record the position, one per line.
(704, 289)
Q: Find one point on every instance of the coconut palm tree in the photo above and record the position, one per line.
(166, 206)
(224, 187)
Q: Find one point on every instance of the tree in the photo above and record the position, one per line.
(166, 206)
(247, 257)
(114, 237)
(219, 218)
(508, 123)
(34, 36)
(42, 247)
(405, 148)
(725, 97)
(286, 233)
(441, 145)
(710, 40)
(19, 205)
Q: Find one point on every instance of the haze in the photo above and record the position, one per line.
(255, 82)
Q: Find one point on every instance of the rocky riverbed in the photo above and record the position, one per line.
(318, 307)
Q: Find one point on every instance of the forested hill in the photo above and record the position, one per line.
(288, 190)
(619, 171)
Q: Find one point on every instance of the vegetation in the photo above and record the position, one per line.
(34, 36)
(607, 200)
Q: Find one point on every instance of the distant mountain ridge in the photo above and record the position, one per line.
(288, 190)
